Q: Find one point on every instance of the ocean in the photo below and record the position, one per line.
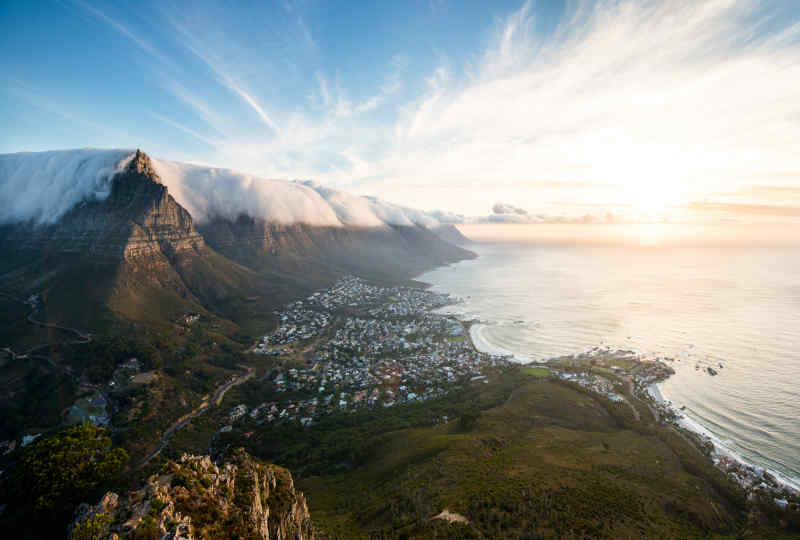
(734, 309)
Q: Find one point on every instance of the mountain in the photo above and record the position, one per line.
(116, 231)
(134, 255)
(307, 227)
(450, 233)
(390, 252)
(239, 497)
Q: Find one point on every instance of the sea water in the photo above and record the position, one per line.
(734, 309)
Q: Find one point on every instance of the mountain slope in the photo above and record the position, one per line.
(385, 252)
(127, 250)
(135, 255)
(450, 233)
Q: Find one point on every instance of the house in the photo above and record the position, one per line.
(237, 412)
(28, 439)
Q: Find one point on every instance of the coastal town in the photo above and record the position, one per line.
(363, 345)
(360, 345)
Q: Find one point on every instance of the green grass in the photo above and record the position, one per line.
(535, 371)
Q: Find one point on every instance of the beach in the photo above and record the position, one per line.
(733, 310)
(479, 341)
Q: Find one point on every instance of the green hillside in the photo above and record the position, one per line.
(550, 461)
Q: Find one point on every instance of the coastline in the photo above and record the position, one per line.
(721, 454)
(746, 473)
(483, 345)
(725, 458)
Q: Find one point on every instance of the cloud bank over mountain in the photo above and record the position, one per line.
(40, 187)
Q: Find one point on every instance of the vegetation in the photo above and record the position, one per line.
(94, 528)
(348, 439)
(535, 371)
(548, 460)
(55, 474)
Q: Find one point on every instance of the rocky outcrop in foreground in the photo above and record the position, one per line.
(199, 498)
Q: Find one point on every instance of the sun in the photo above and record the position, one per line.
(655, 199)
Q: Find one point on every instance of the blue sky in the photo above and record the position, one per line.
(558, 107)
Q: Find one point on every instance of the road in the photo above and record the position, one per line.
(216, 399)
(83, 337)
(657, 416)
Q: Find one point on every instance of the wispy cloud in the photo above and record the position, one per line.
(142, 43)
(185, 129)
(759, 209)
(666, 99)
(38, 98)
(392, 83)
(199, 107)
(223, 77)
(623, 102)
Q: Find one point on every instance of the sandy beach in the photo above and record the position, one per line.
(482, 344)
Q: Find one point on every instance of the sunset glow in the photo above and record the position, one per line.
(581, 111)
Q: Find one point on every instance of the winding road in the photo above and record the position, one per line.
(216, 399)
(86, 337)
(83, 337)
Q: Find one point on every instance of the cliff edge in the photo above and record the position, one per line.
(197, 497)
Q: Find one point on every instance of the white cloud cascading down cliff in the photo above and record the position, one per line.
(40, 187)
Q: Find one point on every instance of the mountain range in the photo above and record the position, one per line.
(140, 240)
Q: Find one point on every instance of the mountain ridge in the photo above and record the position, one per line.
(132, 248)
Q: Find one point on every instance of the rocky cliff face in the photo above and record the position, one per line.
(387, 252)
(138, 218)
(199, 498)
(137, 256)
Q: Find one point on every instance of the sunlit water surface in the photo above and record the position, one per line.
(735, 307)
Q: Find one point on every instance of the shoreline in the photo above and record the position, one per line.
(483, 345)
(721, 455)
(720, 450)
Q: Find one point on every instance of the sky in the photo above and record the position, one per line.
(517, 111)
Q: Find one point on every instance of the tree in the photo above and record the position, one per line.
(93, 528)
(58, 472)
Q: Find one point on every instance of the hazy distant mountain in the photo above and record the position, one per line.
(450, 233)
(105, 229)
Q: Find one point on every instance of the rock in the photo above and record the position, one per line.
(139, 218)
(253, 499)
